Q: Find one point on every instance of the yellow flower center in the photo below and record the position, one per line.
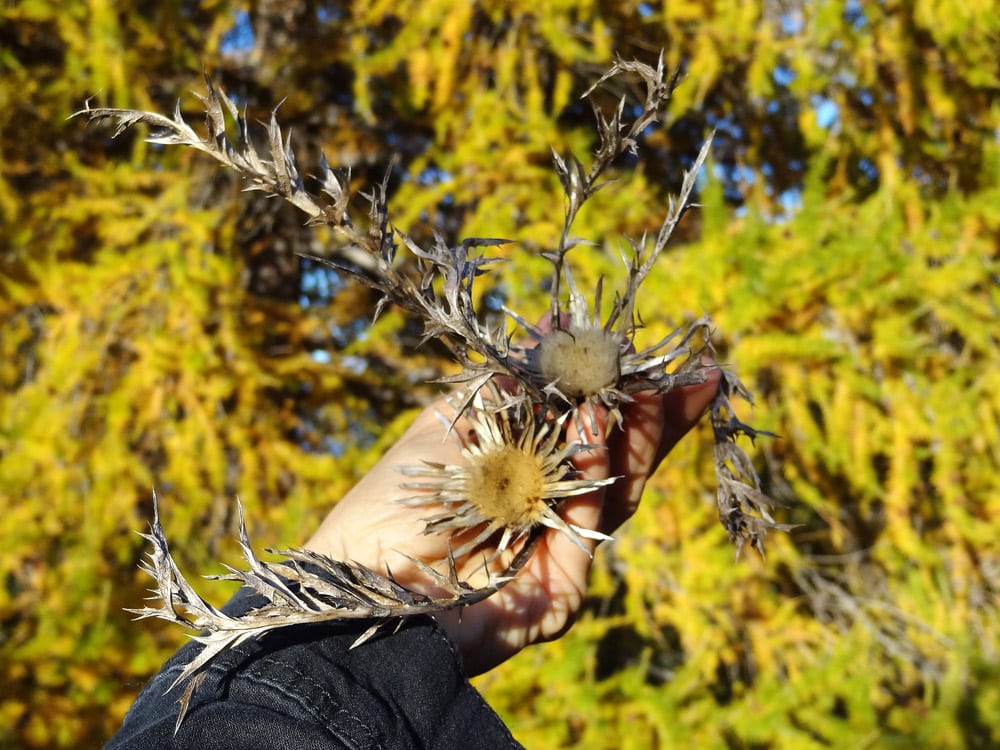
(508, 487)
(582, 361)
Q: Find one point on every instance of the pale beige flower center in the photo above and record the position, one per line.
(582, 361)
(508, 487)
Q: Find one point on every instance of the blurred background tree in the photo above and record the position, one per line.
(158, 329)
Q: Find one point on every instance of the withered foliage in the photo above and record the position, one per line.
(436, 288)
(306, 587)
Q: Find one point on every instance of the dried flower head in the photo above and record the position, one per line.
(516, 471)
(581, 360)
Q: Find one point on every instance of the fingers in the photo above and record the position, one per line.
(654, 424)
(684, 407)
(632, 452)
(588, 427)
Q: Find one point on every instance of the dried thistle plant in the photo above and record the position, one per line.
(575, 364)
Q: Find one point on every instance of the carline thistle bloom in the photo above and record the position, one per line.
(517, 470)
(582, 361)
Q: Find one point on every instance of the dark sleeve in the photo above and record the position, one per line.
(303, 687)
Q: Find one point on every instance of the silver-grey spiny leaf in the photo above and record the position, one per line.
(305, 588)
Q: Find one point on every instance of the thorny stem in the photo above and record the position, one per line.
(617, 137)
(307, 588)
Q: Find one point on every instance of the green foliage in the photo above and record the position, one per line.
(871, 345)
(156, 329)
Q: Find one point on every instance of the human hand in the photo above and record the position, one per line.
(371, 527)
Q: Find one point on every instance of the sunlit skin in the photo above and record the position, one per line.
(369, 525)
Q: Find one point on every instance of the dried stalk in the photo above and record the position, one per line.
(450, 319)
(743, 507)
(305, 588)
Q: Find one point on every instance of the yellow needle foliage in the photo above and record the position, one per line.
(158, 330)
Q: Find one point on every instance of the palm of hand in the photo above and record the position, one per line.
(369, 526)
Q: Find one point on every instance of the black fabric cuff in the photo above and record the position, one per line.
(305, 687)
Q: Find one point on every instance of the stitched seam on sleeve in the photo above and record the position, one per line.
(341, 714)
